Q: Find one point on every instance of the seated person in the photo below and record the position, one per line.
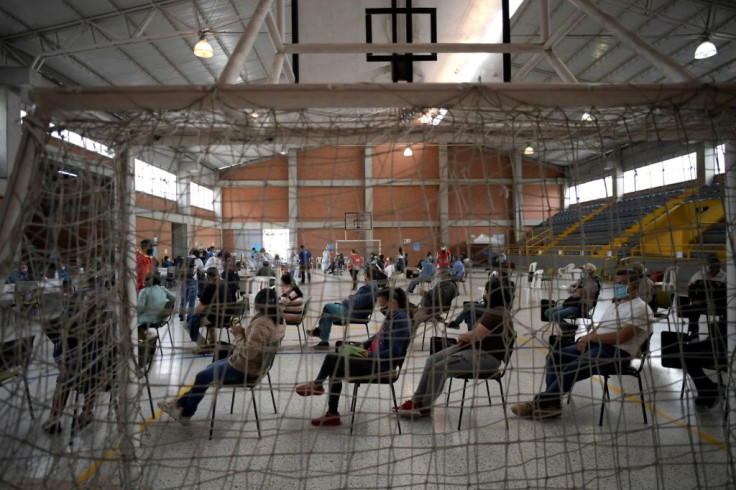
(608, 349)
(291, 300)
(425, 275)
(377, 274)
(83, 353)
(390, 268)
(167, 262)
(380, 354)
(472, 311)
(19, 274)
(583, 295)
(646, 286)
(152, 300)
(213, 309)
(707, 293)
(358, 305)
(458, 269)
(438, 299)
(266, 270)
(481, 350)
(244, 365)
(706, 354)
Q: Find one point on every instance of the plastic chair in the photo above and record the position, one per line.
(629, 371)
(300, 322)
(14, 358)
(168, 312)
(496, 376)
(268, 362)
(664, 302)
(669, 280)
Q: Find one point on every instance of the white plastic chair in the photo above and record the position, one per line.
(669, 280)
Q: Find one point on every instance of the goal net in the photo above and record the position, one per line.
(522, 180)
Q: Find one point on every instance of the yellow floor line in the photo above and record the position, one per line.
(111, 453)
(702, 435)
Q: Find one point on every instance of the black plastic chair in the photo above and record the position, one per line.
(268, 362)
(664, 302)
(496, 376)
(300, 323)
(14, 358)
(167, 312)
(384, 378)
(629, 371)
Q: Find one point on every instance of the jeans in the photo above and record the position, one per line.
(566, 366)
(443, 364)
(305, 273)
(188, 297)
(194, 322)
(471, 313)
(558, 314)
(217, 371)
(332, 313)
(337, 367)
(416, 281)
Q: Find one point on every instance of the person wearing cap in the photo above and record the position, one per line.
(646, 286)
(244, 365)
(443, 257)
(707, 293)
(583, 295)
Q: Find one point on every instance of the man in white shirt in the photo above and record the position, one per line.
(608, 349)
(707, 293)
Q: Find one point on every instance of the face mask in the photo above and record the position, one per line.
(149, 251)
(620, 291)
(384, 310)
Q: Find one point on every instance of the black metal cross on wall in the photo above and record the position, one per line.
(402, 67)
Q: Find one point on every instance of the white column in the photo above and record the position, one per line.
(444, 196)
(729, 203)
(706, 163)
(516, 174)
(9, 134)
(368, 176)
(293, 199)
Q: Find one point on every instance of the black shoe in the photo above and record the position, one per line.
(323, 345)
(708, 398)
(181, 318)
(453, 325)
(314, 332)
(52, 427)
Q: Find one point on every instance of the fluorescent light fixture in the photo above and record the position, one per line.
(705, 49)
(408, 151)
(203, 49)
(67, 173)
(438, 118)
(254, 114)
(528, 150)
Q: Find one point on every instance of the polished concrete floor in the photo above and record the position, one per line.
(682, 446)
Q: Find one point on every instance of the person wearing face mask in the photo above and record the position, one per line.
(607, 349)
(20, 274)
(379, 354)
(144, 262)
(583, 295)
(497, 292)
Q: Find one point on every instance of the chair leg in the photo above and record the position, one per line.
(367, 332)
(270, 388)
(462, 405)
(424, 335)
(605, 397)
(299, 333)
(449, 390)
(160, 344)
(214, 406)
(28, 395)
(641, 397)
(488, 391)
(232, 402)
(503, 403)
(171, 339)
(255, 412)
(352, 406)
(150, 397)
(398, 419)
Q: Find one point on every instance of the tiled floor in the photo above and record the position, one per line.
(681, 447)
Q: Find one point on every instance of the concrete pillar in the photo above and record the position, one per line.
(705, 163)
(293, 199)
(368, 176)
(444, 197)
(516, 176)
(10, 129)
(729, 203)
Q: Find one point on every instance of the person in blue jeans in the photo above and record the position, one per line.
(583, 295)
(425, 275)
(358, 305)
(608, 349)
(305, 264)
(245, 364)
(497, 292)
(191, 267)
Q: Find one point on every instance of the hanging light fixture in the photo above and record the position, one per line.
(528, 150)
(408, 151)
(586, 117)
(705, 49)
(203, 49)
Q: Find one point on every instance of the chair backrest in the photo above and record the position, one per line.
(664, 299)
(16, 353)
(305, 308)
(509, 349)
(533, 267)
(644, 352)
(168, 308)
(171, 272)
(268, 359)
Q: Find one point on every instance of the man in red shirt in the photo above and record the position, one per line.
(444, 257)
(144, 262)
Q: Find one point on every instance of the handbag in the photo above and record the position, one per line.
(672, 349)
(437, 344)
(546, 305)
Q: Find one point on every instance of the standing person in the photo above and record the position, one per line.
(215, 261)
(191, 269)
(355, 265)
(444, 257)
(326, 261)
(294, 264)
(144, 262)
(379, 354)
(390, 268)
(245, 364)
(400, 261)
(305, 264)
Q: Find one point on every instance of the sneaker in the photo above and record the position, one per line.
(453, 325)
(533, 410)
(314, 332)
(328, 419)
(181, 318)
(169, 406)
(409, 409)
(309, 389)
(525, 409)
(52, 426)
(323, 345)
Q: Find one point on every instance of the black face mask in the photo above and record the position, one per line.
(149, 251)
(385, 310)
